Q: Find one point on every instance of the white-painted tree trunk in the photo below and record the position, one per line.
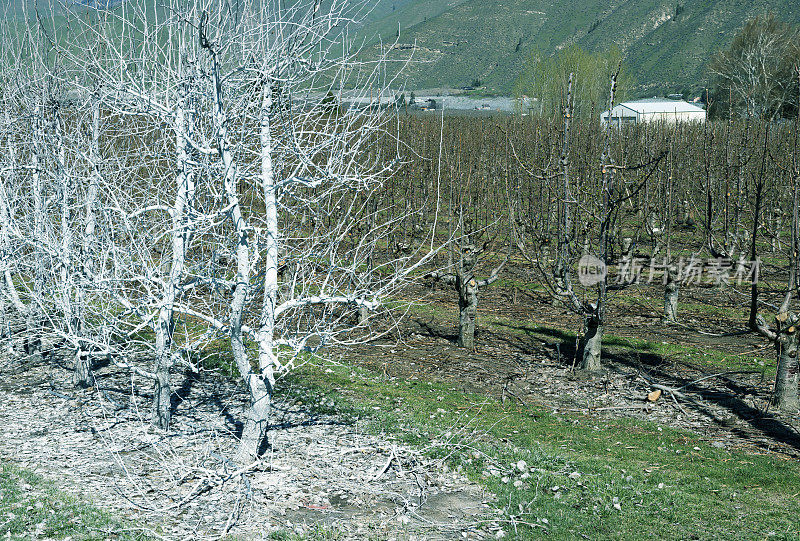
(5, 252)
(786, 379)
(592, 344)
(181, 232)
(261, 385)
(65, 183)
(785, 340)
(248, 446)
(9, 298)
(467, 311)
(83, 358)
(34, 315)
(671, 293)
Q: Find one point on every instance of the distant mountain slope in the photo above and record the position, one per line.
(667, 45)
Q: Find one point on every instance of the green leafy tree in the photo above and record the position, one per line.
(545, 80)
(756, 76)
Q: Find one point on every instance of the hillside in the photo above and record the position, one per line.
(455, 42)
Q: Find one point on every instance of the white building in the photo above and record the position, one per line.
(655, 110)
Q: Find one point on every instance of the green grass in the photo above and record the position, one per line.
(525, 285)
(30, 508)
(586, 477)
(316, 533)
(706, 358)
(701, 358)
(654, 306)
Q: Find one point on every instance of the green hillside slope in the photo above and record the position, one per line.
(667, 45)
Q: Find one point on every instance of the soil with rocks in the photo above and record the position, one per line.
(318, 471)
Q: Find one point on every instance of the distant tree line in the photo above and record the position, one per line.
(545, 79)
(759, 74)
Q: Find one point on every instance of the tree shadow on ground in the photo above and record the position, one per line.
(559, 344)
(428, 328)
(183, 392)
(620, 356)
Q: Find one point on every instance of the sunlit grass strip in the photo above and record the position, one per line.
(30, 508)
(573, 476)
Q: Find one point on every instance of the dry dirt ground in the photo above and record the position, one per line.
(318, 472)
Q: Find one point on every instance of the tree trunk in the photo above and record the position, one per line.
(81, 374)
(261, 385)
(5, 333)
(595, 319)
(363, 314)
(82, 366)
(33, 345)
(5, 252)
(560, 281)
(592, 344)
(468, 312)
(181, 232)
(565, 236)
(21, 311)
(255, 424)
(267, 360)
(756, 218)
(162, 394)
(69, 292)
(256, 420)
(5, 321)
(786, 380)
(671, 291)
(87, 265)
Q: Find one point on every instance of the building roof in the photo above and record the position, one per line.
(654, 105)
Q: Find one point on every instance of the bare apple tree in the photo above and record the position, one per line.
(307, 271)
(254, 213)
(128, 75)
(12, 310)
(585, 211)
(786, 334)
(462, 276)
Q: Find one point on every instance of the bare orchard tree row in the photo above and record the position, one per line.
(172, 175)
(651, 203)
